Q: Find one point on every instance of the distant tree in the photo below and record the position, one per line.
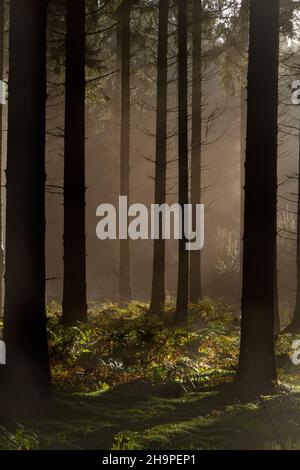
(158, 280)
(183, 264)
(74, 285)
(125, 269)
(25, 334)
(257, 362)
(195, 256)
(294, 326)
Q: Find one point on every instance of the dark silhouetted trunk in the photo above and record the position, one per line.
(125, 270)
(183, 264)
(244, 43)
(256, 368)
(195, 256)
(2, 13)
(74, 294)
(25, 319)
(158, 281)
(244, 18)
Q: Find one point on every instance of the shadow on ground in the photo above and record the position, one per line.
(138, 416)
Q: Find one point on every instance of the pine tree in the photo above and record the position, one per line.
(183, 270)
(24, 313)
(256, 368)
(195, 256)
(294, 326)
(158, 280)
(74, 287)
(2, 19)
(125, 269)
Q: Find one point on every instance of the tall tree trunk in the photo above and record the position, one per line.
(74, 287)
(125, 270)
(294, 326)
(257, 363)
(244, 43)
(24, 315)
(158, 280)
(195, 256)
(2, 19)
(183, 264)
(243, 136)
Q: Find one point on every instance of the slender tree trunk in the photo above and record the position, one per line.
(195, 256)
(2, 19)
(158, 280)
(277, 326)
(294, 326)
(244, 18)
(125, 270)
(25, 319)
(257, 363)
(74, 287)
(243, 136)
(183, 264)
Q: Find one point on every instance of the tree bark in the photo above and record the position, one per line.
(125, 269)
(2, 19)
(24, 315)
(158, 280)
(183, 264)
(74, 285)
(195, 256)
(244, 33)
(257, 363)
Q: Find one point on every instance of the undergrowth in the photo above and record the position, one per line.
(121, 345)
(128, 380)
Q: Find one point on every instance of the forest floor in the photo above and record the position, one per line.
(126, 381)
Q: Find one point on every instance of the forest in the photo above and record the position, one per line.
(149, 225)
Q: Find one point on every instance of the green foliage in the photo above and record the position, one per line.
(126, 441)
(167, 393)
(18, 439)
(120, 345)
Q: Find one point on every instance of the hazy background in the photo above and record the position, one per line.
(221, 183)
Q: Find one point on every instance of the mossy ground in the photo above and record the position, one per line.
(125, 381)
